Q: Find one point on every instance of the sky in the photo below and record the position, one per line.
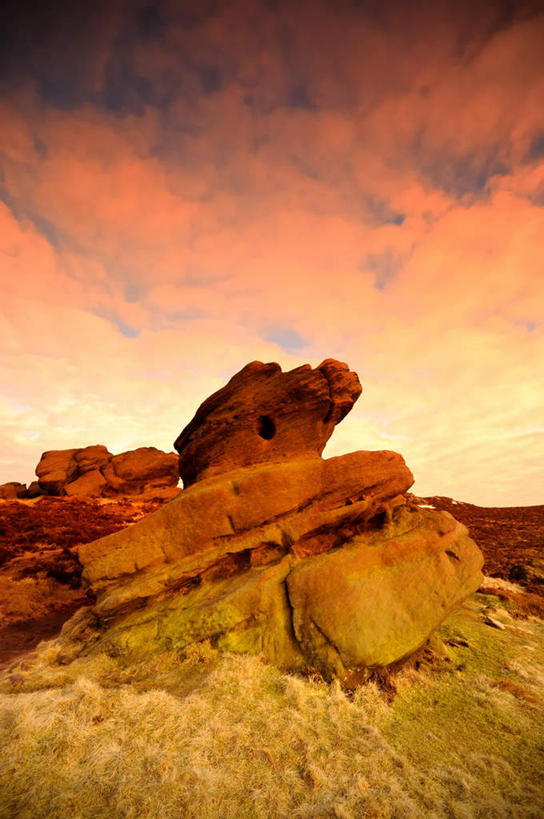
(187, 187)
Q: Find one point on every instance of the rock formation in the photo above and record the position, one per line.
(12, 490)
(273, 549)
(95, 472)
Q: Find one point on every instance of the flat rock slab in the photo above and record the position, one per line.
(273, 505)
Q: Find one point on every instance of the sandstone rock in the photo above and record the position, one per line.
(55, 469)
(95, 472)
(265, 415)
(12, 490)
(271, 506)
(491, 621)
(326, 563)
(144, 471)
(366, 604)
(89, 484)
(376, 600)
(35, 490)
(92, 458)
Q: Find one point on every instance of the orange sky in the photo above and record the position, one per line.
(186, 191)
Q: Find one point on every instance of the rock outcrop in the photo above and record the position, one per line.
(12, 490)
(272, 549)
(93, 471)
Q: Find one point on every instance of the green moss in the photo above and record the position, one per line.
(248, 613)
(481, 712)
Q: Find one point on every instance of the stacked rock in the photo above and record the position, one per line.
(275, 550)
(92, 471)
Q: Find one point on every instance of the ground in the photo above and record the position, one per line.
(511, 538)
(453, 732)
(40, 576)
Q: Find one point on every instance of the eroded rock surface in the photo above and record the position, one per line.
(93, 471)
(264, 415)
(313, 562)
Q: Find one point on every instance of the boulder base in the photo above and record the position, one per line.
(377, 599)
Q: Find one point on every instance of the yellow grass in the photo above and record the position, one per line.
(31, 597)
(210, 735)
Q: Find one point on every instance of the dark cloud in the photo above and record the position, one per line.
(124, 328)
(299, 97)
(461, 174)
(150, 21)
(102, 52)
(24, 210)
(288, 339)
(536, 148)
(378, 212)
(211, 79)
(56, 46)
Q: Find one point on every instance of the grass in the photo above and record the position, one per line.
(31, 597)
(221, 735)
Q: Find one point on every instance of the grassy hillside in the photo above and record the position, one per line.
(454, 733)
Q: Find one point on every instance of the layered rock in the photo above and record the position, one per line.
(93, 471)
(56, 469)
(313, 562)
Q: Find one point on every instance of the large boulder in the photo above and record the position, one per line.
(376, 600)
(264, 415)
(55, 469)
(312, 562)
(92, 458)
(93, 471)
(143, 471)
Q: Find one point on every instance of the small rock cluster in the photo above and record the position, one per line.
(93, 471)
(272, 549)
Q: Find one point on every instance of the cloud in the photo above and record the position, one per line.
(255, 181)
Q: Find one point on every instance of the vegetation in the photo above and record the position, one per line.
(454, 733)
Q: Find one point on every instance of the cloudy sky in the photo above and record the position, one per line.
(186, 187)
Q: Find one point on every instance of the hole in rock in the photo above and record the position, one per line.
(266, 427)
(452, 556)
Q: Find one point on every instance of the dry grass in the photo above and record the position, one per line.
(32, 597)
(212, 735)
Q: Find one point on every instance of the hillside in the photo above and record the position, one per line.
(40, 576)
